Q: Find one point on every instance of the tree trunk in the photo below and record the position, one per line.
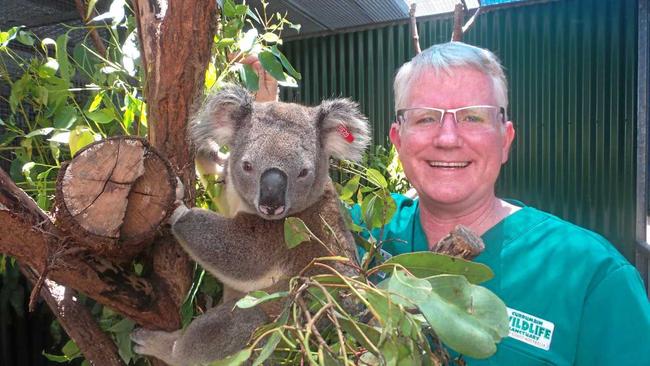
(176, 44)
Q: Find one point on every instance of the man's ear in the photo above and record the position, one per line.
(508, 137)
(343, 128)
(394, 136)
(219, 117)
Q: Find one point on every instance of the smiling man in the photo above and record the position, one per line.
(572, 298)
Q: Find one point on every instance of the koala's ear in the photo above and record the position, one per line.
(344, 129)
(220, 115)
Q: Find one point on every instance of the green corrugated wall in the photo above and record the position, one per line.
(571, 66)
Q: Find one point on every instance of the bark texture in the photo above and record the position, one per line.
(114, 195)
(176, 43)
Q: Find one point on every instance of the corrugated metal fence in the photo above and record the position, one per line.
(572, 70)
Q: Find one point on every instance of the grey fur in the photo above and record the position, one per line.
(248, 252)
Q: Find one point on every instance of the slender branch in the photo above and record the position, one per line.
(94, 35)
(459, 13)
(97, 347)
(414, 30)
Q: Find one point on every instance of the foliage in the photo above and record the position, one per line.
(66, 97)
(429, 300)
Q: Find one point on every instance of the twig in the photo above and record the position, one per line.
(459, 12)
(94, 35)
(414, 30)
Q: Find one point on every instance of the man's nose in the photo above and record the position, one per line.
(448, 133)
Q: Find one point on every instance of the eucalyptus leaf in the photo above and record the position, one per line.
(350, 188)
(268, 348)
(426, 264)
(272, 65)
(79, 138)
(234, 360)
(295, 232)
(249, 77)
(376, 178)
(65, 117)
(40, 132)
(285, 62)
(65, 69)
(467, 318)
(104, 115)
(258, 297)
(248, 40)
(378, 208)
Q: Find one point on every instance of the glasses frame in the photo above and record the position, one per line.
(402, 111)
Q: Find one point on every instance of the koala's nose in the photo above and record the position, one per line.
(273, 187)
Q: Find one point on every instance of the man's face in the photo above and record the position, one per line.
(453, 168)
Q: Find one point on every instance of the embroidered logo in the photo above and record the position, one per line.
(530, 329)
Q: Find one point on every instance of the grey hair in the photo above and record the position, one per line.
(444, 57)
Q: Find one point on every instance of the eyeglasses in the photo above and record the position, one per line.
(471, 118)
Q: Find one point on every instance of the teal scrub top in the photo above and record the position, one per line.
(572, 298)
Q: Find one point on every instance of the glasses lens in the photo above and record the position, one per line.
(476, 115)
(421, 118)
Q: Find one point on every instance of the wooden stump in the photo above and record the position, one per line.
(113, 196)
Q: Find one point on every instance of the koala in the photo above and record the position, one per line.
(278, 167)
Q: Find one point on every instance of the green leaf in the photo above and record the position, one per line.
(350, 188)
(97, 101)
(358, 330)
(272, 65)
(376, 178)
(49, 68)
(295, 232)
(248, 40)
(271, 37)
(65, 117)
(234, 360)
(285, 62)
(65, 69)
(7, 138)
(25, 38)
(249, 77)
(123, 326)
(104, 115)
(229, 8)
(269, 347)
(258, 297)
(70, 349)
(468, 318)
(91, 7)
(210, 76)
(426, 264)
(40, 132)
(378, 208)
(61, 137)
(79, 138)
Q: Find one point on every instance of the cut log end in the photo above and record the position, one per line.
(114, 195)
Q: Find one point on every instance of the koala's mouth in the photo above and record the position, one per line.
(272, 212)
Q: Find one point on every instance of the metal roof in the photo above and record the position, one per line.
(316, 17)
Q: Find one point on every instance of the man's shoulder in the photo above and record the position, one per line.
(568, 244)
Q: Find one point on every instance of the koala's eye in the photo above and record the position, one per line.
(247, 166)
(303, 173)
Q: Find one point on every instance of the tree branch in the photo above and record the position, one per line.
(94, 35)
(29, 235)
(97, 347)
(414, 30)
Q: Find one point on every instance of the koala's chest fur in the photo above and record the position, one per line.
(281, 262)
(249, 253)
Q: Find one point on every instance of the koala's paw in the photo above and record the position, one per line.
(154, 343)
